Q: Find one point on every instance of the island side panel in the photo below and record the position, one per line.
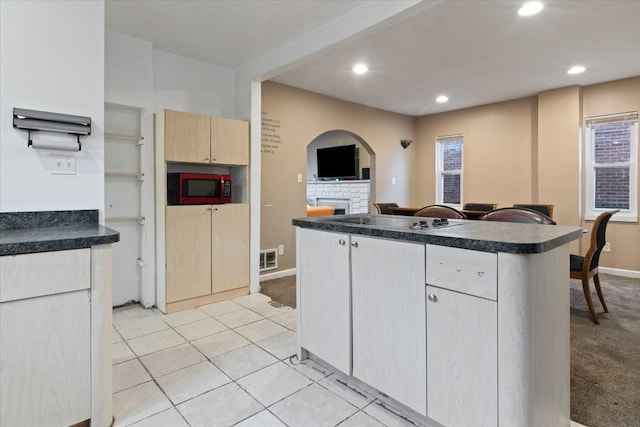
(324, 292)
(101, 324)
(533, 338)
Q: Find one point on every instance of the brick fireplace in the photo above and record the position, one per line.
(352, 196)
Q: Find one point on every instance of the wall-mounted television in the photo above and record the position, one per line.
(338, 162)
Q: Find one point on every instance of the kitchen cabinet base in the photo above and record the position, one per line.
(172, 307)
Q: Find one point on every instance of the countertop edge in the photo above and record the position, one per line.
(443, 240)
(49, 239)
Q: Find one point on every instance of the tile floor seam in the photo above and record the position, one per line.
(289, 395)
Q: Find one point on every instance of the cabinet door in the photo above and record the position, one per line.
(45, 357)
(188, 252)
(325, 293)
(389, 318)
(186, 137)
(229, 141)
(462, 348)
(230, 246)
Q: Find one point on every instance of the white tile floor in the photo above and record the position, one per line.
(228, 364)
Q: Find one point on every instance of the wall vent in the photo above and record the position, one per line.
(268, 259)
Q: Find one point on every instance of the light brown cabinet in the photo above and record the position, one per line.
(195, 138)
(207, 254)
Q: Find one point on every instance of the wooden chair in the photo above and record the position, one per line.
(440, 211)
(543, 209)
(522, 215)
(383, 208)
(479, 207)
(586, 267)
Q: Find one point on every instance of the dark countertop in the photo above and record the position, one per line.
(28, 232)
(486, 236)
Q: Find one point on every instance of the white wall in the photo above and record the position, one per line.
(185, 84)
(51, 59)
(138, 75)
(128, 71)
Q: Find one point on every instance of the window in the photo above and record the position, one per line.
(449, 170)
(612, 166)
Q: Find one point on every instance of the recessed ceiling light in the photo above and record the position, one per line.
(530, 8)
(360, 69)
(442, 98)
(576, 69)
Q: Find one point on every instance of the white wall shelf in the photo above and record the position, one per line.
(139, 219)
(124, 137)
(140, 176)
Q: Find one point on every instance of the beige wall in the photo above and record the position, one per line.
(302, 117)
(609, 98)
(519, 151)
(498, 152)
(558, 155)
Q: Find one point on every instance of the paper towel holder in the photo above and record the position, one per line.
(34, 120)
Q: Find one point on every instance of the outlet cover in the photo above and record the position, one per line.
(607, 247)
(280, 249)
(63, 165)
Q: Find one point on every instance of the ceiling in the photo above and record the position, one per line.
(476, 52)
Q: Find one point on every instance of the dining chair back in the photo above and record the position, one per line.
(479, 206)
(440, 211)
(543, 209)
(383, 208)
(522, 215)
(586, 267)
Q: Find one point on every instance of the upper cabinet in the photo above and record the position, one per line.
(229, 141)
(195, 138)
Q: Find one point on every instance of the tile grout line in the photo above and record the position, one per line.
(154, 379)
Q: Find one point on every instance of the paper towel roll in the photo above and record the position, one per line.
(56, 145)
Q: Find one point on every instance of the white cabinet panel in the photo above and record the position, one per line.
(463, 270)
(389, 348)
(462, 378)
(325, 293)
(44, 273)
(45, 360)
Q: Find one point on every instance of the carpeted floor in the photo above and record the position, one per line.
(605, 359)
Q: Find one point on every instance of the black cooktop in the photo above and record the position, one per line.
(397, 222)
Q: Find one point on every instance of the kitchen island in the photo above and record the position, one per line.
(466, 323)
(55, 319)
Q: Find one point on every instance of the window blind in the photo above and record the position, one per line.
(620, 117)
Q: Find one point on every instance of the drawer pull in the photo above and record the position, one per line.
(458, 269)
(480, 273)
(342, 242)
(432, 298)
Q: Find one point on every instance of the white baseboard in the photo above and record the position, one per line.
(278, 274)
(620, 272)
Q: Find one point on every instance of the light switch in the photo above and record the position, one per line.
(299, 177)
(393, 180)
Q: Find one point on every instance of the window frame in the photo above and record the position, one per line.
(440, 172)
(591, 212)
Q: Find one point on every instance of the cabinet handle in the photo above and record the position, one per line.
(342, 242)
(354, 244)
(206, 158)
(209, 209)
(432, 298)
(480, 273)
(458, 269)
(214, 159)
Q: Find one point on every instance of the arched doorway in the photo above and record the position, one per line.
(347, 195)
